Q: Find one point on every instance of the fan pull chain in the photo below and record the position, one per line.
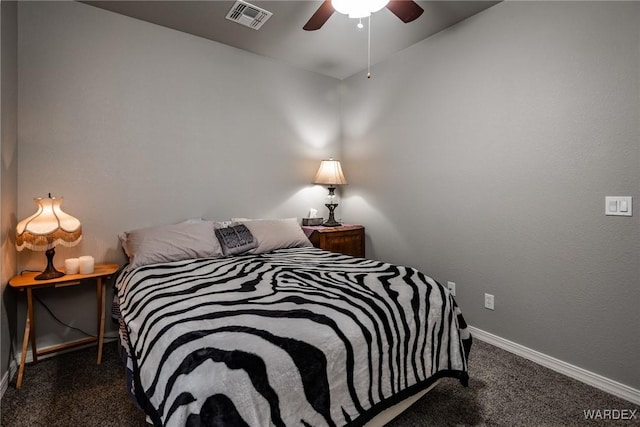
(369, 50)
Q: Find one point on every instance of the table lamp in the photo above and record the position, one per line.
(46, 229)
(330, 173)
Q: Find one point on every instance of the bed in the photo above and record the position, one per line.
(281, 333)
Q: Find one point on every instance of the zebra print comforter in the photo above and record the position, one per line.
(287, 338)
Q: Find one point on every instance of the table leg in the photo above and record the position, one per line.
(101, 315)
(32, 333)
(25, 346)
(98, 305)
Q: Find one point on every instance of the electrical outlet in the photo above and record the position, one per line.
(488, 301)
(452, 288)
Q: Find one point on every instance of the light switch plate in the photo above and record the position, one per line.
(618, 205)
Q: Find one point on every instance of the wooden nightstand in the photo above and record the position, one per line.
(346, 239)
(27, 281)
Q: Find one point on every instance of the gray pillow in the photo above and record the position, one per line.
(273, 234)
(236, 239)
(171, 242)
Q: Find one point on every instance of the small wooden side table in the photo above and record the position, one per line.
(346, 239)
(27, 282)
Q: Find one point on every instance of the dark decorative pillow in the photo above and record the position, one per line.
(236, 239)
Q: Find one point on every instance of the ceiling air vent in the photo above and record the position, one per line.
(248, 15)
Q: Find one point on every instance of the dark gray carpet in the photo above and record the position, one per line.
(505, 390)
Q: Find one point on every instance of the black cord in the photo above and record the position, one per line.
(60, 321)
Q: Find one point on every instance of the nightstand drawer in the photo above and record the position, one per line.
(346, 239)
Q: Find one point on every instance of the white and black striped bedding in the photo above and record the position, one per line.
(294, 337)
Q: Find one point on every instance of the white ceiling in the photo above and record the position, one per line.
(338, 49)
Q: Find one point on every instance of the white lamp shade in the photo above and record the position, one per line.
(330, 173)
(48, 227)
(358, 8)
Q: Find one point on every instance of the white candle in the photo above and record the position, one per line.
(71, 265)
(86, 264)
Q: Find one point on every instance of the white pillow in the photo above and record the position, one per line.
(273, 234)
(171, 242)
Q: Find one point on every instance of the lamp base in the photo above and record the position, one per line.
(331, 221)
(50, 272)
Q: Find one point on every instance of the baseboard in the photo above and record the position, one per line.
(595, 380)
(13, 367)
(29, 358)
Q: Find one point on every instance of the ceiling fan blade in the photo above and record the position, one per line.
(321, 16)
(406, 10)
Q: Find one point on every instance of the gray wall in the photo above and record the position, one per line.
(8, 177)
(135, 125)
(483, 156)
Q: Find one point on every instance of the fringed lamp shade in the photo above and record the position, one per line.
(46, 229)
(330, 173)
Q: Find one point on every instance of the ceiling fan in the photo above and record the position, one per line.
(406, 10)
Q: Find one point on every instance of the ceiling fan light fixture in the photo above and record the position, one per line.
(358, 8)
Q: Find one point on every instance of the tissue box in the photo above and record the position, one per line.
(312, 221)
